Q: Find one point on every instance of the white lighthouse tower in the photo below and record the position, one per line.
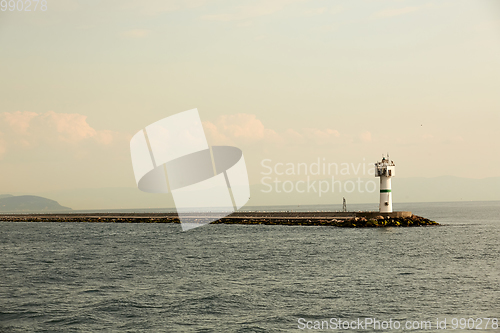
(385, 170)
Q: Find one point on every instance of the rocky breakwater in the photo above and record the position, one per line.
(380, 221)
(343, 220)
(354, 222)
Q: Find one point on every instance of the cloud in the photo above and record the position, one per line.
(18, 121)
(3, 146)
(257, 9)
(247, 129)
(366, 136)
(137, 33)
(427, 136)
(391, 12)
(320, 136)
(28, 130)
(70, 127)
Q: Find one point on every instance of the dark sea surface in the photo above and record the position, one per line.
(90, 277)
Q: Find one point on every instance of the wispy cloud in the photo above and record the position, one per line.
(28, 130)
(366, 136)
(243, 128)
(247, 129)
(3, 146)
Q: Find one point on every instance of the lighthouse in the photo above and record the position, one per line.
(385, 170)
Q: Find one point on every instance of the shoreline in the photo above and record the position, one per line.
(336, 219)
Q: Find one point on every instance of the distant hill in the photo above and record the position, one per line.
(110, 198)
(29, 204)
(5, 195)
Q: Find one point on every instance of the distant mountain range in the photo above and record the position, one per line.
(29, 204)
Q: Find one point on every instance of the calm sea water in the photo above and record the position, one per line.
(65, 277)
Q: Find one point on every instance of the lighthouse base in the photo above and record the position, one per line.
(369, 215)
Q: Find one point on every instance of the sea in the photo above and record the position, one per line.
(93, 277)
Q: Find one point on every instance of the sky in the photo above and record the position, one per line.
(287, 81)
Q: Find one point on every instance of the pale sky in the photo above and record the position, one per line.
(286, 80)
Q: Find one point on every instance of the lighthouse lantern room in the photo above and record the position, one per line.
(385, 170)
